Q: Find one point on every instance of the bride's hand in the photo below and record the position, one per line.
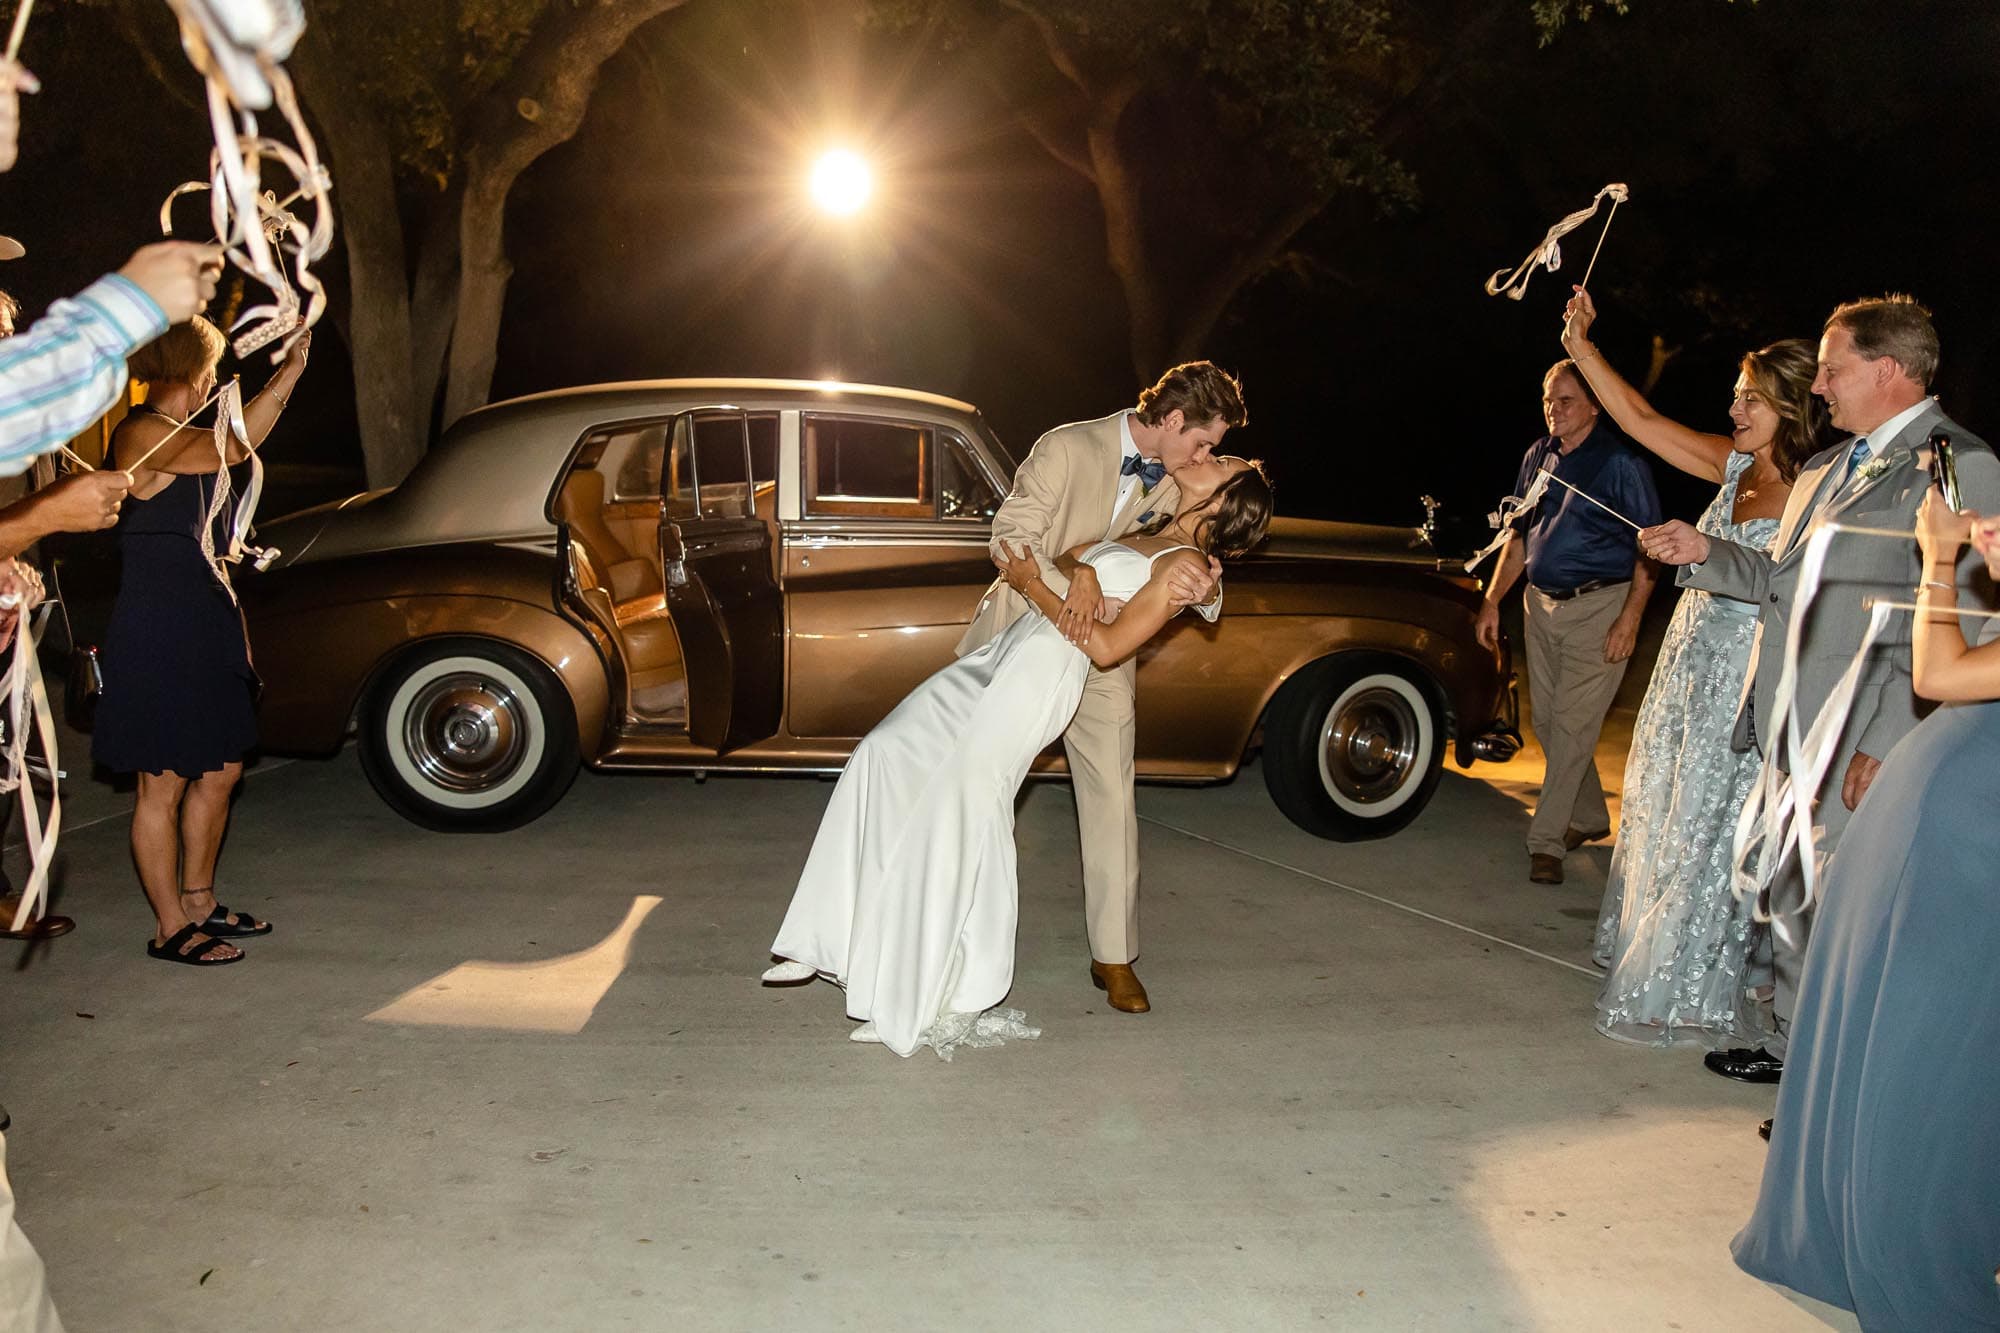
(1019, 569)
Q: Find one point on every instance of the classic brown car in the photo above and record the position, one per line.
(704, 575)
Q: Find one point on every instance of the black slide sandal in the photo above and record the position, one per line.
(221, 927)
(170, 951)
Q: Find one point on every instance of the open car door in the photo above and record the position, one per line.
(715, 552)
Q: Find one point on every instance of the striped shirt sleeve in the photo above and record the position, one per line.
(69, 367)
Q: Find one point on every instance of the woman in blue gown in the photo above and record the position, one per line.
(1673, 938)
(1881, 1193)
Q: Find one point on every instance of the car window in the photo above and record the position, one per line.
(704, 474)
(631, 460)
(963, 490)
(864, 466)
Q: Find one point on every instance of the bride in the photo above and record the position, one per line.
(908, 899)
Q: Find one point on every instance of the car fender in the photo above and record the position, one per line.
(316, 662)
(1196, 724)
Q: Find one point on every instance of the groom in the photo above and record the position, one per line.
(1095, 481)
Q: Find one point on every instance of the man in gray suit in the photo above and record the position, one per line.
(1876, 359)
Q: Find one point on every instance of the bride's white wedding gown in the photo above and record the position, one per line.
(909, 897)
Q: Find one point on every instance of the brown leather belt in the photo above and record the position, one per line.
(1595, 585)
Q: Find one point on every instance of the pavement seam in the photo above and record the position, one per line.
(1318, 878)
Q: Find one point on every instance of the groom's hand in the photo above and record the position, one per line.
(1080, 608)
(1191, 586)
(1109, 611)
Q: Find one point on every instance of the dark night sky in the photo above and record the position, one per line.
(1782, 157)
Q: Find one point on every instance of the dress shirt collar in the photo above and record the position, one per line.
(1126, 443)
(1883, 435)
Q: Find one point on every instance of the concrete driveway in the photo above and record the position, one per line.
(484, 1083)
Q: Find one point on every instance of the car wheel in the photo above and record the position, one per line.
(468, 735)
(1354, 746)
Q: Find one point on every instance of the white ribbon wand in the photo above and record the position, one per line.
(1594, 500)
(20, 30)
(1510, 509)
(1776, 820)
(1549, 253)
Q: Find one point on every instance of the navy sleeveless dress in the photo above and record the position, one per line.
(179, 693)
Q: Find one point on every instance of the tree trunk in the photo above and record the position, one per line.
(538, 107)
(1122, 196)
(433, 303)
(378, 323)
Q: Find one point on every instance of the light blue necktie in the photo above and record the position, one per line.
(1856, 459)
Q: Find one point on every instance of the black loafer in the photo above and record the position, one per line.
(1764, 1131)
(1745, 1066)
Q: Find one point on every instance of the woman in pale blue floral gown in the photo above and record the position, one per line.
(1673, 937)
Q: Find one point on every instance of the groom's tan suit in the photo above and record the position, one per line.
(1065, 495)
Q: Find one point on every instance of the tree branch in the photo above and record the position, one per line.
(1244, 265)
(1059, 53)
(538, 106)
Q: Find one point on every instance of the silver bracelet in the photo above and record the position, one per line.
(1940, 585)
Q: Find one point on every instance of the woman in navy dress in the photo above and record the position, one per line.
(1881, 1194)
(179, 695)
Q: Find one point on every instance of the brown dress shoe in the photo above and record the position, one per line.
(1544, 869)
(1120, 986)
(41, 928)
(1575, 838)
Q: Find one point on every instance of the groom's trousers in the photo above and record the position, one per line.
(1099, 744)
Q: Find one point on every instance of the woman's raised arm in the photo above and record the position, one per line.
(1692, 451)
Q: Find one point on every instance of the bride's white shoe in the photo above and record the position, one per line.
(866, 1033)
(789, 971)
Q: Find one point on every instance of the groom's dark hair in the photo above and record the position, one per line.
(1201, 390)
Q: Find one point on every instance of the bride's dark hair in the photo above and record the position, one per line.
(1238, 516)
(1241, 514)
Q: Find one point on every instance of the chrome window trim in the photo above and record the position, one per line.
(791, 457)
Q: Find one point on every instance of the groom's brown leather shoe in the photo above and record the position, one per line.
(1120, 986)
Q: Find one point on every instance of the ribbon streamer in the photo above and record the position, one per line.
(229, 431)
(28, 701)
(237, 46)
(1510, 509)
(1549, 253)
(1775, 823)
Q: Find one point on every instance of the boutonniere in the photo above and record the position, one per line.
(1875, 467)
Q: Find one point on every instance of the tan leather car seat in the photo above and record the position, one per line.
(625, 593)
(631, 578)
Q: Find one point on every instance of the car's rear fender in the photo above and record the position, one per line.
(1203, 723)
(317, 662)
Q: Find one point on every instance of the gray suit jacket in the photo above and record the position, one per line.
(1857, 568)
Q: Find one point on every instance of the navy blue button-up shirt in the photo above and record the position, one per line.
(1571, 541)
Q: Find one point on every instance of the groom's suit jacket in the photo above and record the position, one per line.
(1857, 567)
(1063, 497)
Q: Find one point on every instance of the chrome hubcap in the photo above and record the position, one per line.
(1369, 747)
(465, 732)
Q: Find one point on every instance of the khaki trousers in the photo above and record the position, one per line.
(1099, 743)
(1570, 687)
(24, 1290)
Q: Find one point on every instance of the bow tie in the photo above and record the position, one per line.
(1150, 471)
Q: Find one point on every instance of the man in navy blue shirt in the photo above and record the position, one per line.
(1587, 587)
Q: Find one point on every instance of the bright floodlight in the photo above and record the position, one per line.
(841, 182)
